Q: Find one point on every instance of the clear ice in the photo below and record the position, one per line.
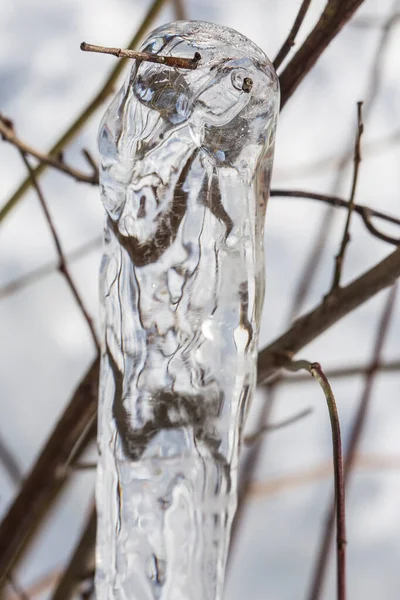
(186, 159)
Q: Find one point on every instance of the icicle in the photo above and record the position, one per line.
(186, 159)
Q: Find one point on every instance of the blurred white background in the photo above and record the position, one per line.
(45, 347)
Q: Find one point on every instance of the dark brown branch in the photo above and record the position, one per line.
(354, 439)
(331, 310)
(289, 42)
(8, 134)
(334, 17)
(50, 471)
(82, 561)
(176, 62)
(339, 259)
(62, 264)
(365, 212)
(316, 371)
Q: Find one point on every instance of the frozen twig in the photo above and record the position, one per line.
(339, 259)
(176, 62)
(62, 264)
(72, 131)
(289, 42)
(391, 366)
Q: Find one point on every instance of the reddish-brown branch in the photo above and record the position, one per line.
(339, 259)
(354, 439)
(177, 62)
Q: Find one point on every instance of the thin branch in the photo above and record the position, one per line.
(250, 439)
(354, 439)
(106, 89)
(365, 212)
(290, 40)
(10, 464)
(62, 264)
(7, 132)
(48, 268)
(81, 561)
(316, 371)
(176, 62)
(333, 18)
(339, 259)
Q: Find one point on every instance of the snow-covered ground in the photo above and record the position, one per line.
(45, 346)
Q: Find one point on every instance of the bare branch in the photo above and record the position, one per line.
(289, 42)
(62, 265)
(176, 62)
(346, 233)
(354, 438)
(47, 269)
(351, 371)
(318, 374)
(7, 132)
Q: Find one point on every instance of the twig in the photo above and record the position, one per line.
(176, 62)
(334, 16)
(318, 374)
(88, 111)
(365, 212)
(7, 132)
(289, 42)
(81, 561)
(339, 259)
(354, 438)
(62, 265)
(250, 439)
(47, 269)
